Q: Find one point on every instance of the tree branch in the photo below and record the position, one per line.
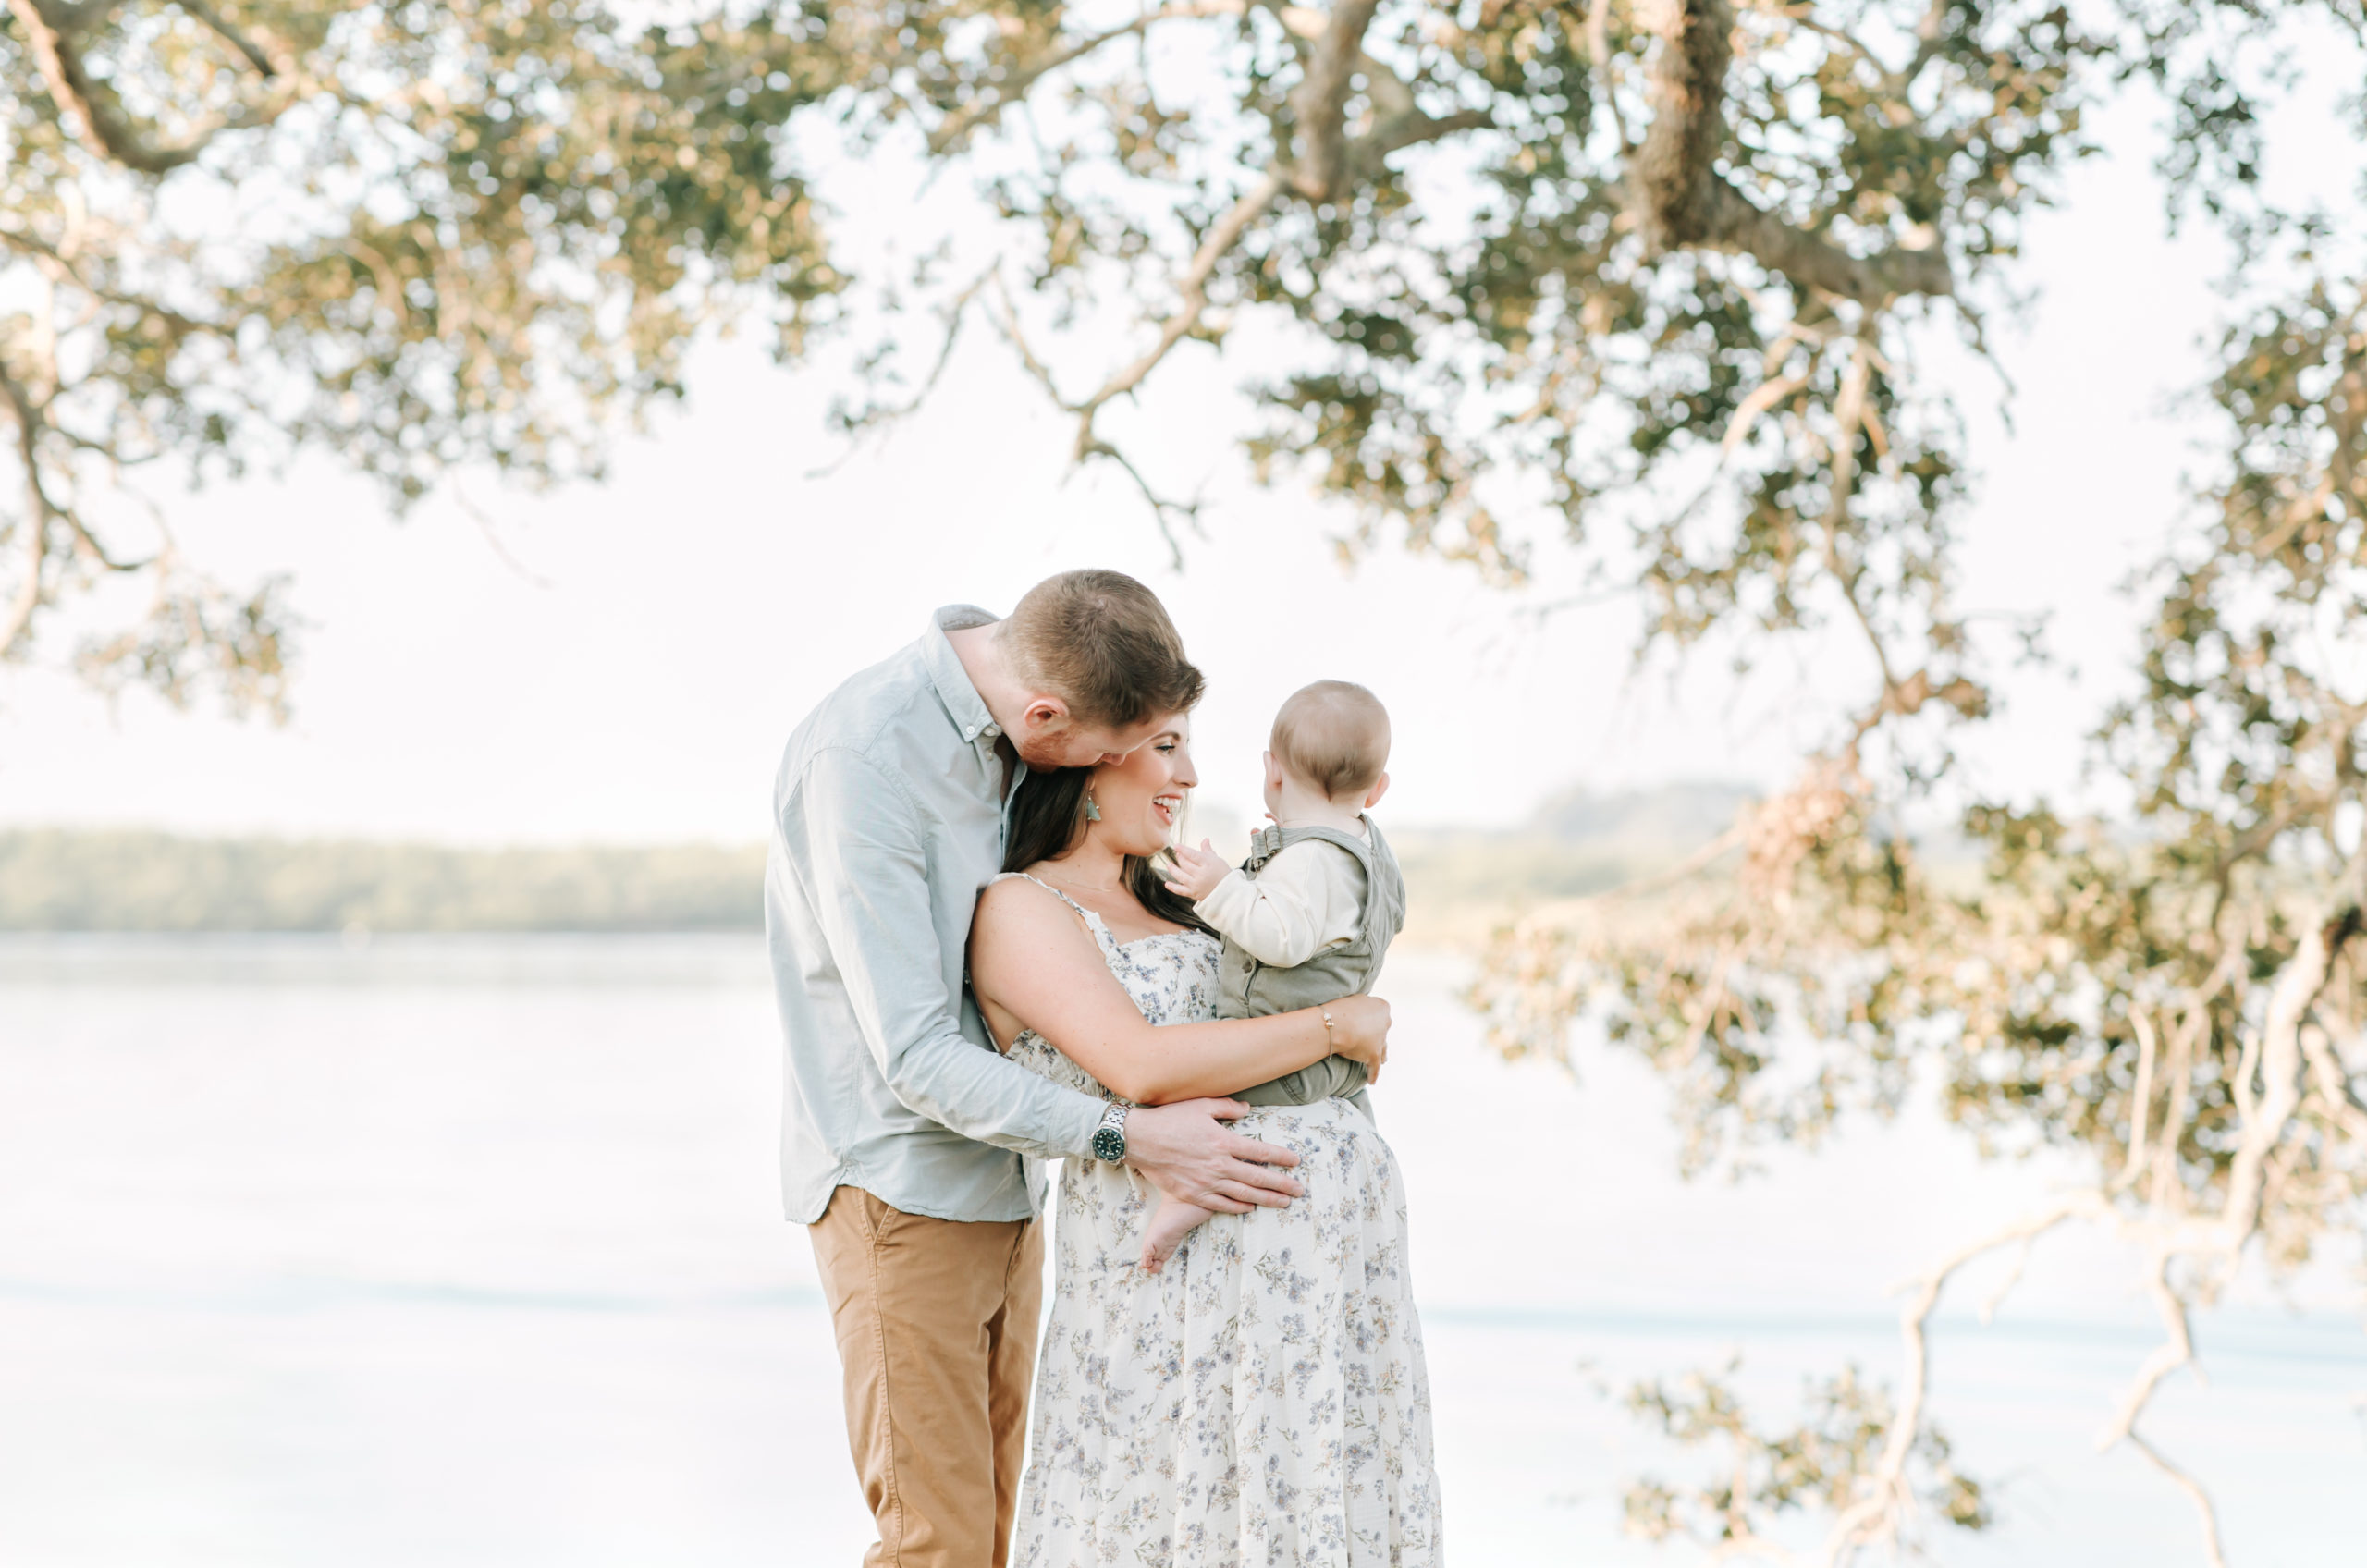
(1672, 174)
(31, 423)
(1322, 170)
(1397, 121)
(2175, 1352)
(2189, 1034)
(2276, 1052)
(1160, 506)
(2195, 1494)
(1680, 201)
(39, 514)
(27, 601)
(55, 33)
(2140, 1096)
(1815, 262)
(1089, 442)
(1328, 162)
(2278, 1048)
(954, 130)
(1036, 368)
(1194, 288)
(58, 265)
(1597, 34)
(2334, 1084)
(1876, 1514)
(1409, 129)
(953, 314)
(1928, 38)
(265, 66)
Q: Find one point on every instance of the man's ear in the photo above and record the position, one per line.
(1373, 795)
(1042, 713)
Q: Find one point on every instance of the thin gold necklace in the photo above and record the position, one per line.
(1084, 887)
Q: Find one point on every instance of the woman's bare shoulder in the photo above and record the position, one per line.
(1024, 932)
(1017, 903)
(1014, 890)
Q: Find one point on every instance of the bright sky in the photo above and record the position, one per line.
(699, 603)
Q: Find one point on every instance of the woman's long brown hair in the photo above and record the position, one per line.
(1046, 820)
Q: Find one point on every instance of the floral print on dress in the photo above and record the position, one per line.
(1262, 1401)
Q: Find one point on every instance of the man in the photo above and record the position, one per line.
(911, 1145)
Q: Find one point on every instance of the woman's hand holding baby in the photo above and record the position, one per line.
(1360, 1032)
(1197, 872)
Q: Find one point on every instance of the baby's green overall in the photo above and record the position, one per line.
(1247, 988)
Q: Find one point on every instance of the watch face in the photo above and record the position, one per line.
(1110, 1144)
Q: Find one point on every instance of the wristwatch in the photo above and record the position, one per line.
(1109, 1138)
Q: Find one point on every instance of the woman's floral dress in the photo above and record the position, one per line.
(1261, 1402)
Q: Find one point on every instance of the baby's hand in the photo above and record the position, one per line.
(1197, 872)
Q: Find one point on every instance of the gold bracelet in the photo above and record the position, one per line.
(1329, 1038)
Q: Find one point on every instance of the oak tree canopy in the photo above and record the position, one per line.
(410, 236)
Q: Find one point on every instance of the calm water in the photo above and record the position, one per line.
(466, 1252)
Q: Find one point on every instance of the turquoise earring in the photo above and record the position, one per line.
(1092, 812)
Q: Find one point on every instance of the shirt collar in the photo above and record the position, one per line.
(967, 708)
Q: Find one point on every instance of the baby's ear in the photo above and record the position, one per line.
(1373, 795)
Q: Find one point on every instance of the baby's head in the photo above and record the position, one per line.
(1330, 745)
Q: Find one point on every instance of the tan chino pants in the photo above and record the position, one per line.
(937, 1322)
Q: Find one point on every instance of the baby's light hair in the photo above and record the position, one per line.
(1333, 735)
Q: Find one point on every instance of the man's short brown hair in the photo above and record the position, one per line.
(1101, 643)
(1333, 735)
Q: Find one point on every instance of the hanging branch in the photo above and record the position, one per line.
(1012, 84)
(1679, 199)
(59, 34)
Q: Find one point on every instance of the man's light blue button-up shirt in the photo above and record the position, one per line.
(888, 816)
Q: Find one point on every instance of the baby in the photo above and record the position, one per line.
(1308, 917)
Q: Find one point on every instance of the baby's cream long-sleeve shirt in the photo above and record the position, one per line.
(1308, 897)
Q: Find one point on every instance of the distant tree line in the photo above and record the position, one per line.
(68, 881)
(63, 880)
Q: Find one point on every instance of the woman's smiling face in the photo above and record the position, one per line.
(1141, 799)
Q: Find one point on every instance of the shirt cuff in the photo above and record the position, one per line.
(1090, 1111)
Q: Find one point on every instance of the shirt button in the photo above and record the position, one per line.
(994, 729)
(969, 733)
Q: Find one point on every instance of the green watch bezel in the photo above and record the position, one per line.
(1109, 1138)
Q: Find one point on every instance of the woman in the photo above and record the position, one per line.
(1263, 1400)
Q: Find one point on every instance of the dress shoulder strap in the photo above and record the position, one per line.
(1091, 919)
